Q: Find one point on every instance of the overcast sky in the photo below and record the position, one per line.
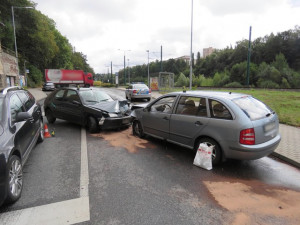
(98, 28)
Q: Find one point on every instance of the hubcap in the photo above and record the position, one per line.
(15, 178)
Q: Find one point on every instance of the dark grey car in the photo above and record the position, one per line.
(89, 107)
(21, 126)
(238, 125)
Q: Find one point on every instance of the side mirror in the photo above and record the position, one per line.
(23, 116)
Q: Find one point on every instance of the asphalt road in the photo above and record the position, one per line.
(147, 181)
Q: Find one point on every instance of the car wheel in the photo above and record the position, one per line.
(137, 129)
(42, 131)
(148, 99)
(49, 116)
(14, 180)
(92, 125)
(216, 154)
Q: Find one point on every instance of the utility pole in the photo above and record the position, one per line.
(249, 56)
(161, 67)
(111, 77)
(148, 80)
(191, 55)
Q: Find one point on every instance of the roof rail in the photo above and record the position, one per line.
(5, 90)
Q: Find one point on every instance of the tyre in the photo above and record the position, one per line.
(92, 125)
(148, 99)
(49, 116)
(137, 129)
(41, 134)
(14, 181)
(216, 154)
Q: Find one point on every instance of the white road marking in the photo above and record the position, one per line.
(65, 212)
(84, 170)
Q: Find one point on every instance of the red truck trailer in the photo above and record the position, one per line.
(62, 78)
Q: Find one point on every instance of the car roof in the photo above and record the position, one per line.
(215, 94)
(9, 89)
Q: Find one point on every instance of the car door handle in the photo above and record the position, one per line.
(165, 118)
(198, 123)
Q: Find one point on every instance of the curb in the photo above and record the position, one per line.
(285, 159)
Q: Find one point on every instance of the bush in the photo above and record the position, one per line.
(234, 85)
(182, 81)
(267, 84)
(97, 83)
(35, 77)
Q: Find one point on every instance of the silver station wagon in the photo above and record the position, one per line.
(237, 125)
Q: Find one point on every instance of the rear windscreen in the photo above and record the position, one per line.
(253, 108)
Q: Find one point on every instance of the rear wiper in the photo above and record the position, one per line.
(104, 100)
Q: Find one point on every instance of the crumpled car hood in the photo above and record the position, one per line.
(112, 107)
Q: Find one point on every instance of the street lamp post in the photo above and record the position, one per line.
(191, 56)
(14, 27)
(128, 71)
(124, 64)
(148, 80)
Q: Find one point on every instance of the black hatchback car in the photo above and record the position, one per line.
(89, 107)
(21, 126)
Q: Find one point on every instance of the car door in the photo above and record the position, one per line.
(57, 103)
(189, 119)
(73, 108)
(32, 108)
(22, 129)
(156, 118)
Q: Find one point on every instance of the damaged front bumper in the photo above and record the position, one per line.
(115, 122)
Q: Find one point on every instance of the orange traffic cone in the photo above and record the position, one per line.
(46, 132)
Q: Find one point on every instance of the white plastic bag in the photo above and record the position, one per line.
(203, 156)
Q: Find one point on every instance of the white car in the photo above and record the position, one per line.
(138, 91)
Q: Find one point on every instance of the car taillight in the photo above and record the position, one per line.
(134, 91)
(149, 90)
(247, 136)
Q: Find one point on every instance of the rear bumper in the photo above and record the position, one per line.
(249, 152)
(140, 96)
(114, 123)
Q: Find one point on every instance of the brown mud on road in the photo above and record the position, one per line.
(250, 207)
(125, 139)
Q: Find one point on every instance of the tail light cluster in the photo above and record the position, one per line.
(134, 91)
(149, 90)
(247, 136)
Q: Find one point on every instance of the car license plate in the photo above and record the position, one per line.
(269, 126)
(126, 121)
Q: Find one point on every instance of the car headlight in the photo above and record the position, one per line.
(112, 115)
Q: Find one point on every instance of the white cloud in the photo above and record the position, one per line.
(100, 28)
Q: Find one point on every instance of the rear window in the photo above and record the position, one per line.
(253, 108)
(140, 86)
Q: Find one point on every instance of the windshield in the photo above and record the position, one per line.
(253, 108)
(91, 97)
